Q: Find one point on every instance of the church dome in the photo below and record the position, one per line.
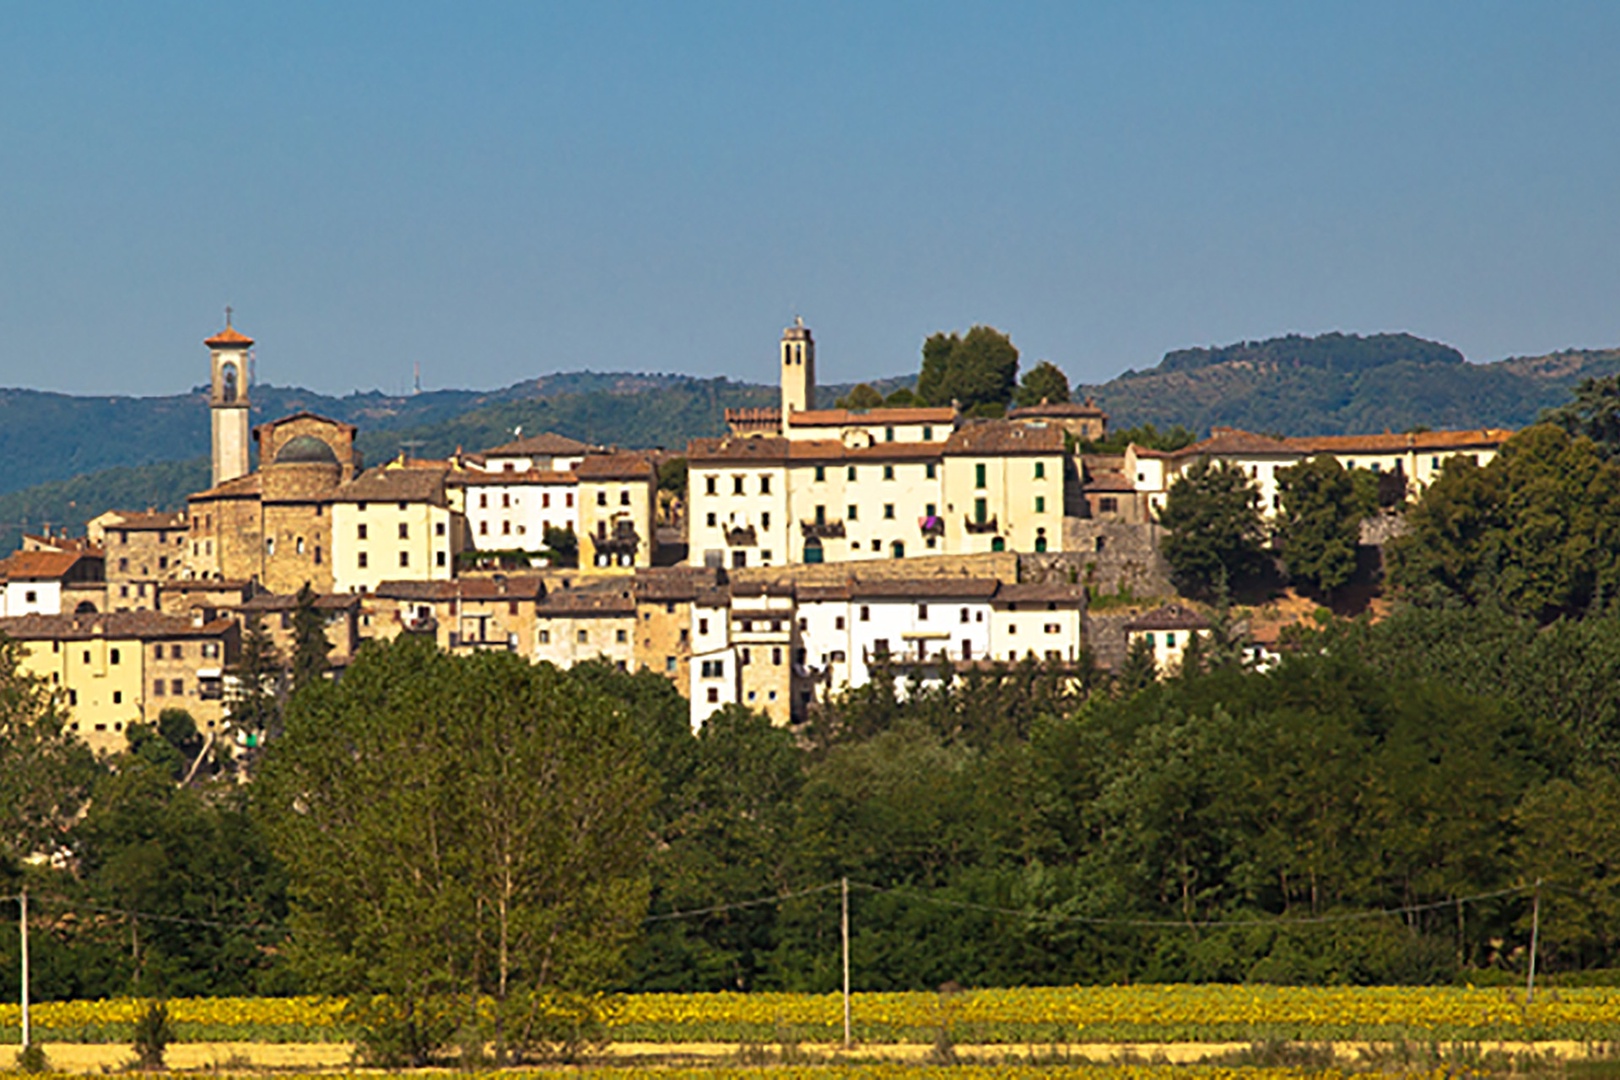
(306, 450)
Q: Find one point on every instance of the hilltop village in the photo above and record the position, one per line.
(810, 549)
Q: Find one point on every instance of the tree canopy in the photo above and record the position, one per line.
(1319, 526)
(1043, 382)
(860, 397)
(977, 370)
(1594, 413)
(1536, 531)
(1216, 538)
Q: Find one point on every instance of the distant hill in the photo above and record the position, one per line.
(1340, 384)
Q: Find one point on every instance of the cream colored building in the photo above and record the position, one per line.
(617, 502)
(1004, 488)
(1167, 631)
(1043, 622)
(394, 523)
(110, 670)
(590, 622)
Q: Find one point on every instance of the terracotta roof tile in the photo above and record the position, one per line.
(1063, 409)
(243, 487)
(384, 484)
(619, 466)
(738, 448)
(146, 520)
(545, 444)
(1231, 441)
(110, 624)
(530, 477)
(848, 418)
(1004, 437)
(1417, 441)
(1169, 617)
(229, 338)
(41, 565)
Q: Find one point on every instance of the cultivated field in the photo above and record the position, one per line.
(1050, 1017)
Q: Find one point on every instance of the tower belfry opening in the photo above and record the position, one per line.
(228, 402)
(798, 370)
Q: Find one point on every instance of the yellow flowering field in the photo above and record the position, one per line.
(1014, 1016)
(896, 1071)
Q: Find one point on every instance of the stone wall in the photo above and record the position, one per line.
(1001, 565)
(1105, 635)
(1110, 556)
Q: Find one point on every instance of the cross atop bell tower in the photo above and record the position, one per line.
(798, 370)
(228, 401)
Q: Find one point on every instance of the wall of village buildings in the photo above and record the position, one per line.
(392, 541)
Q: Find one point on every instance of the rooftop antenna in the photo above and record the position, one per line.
(228, 310)
(417, 383)
(407, 445)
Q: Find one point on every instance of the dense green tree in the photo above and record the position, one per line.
(563, 545)
(1594, 413)
(1216, 535)
(1570, 842)
(259, 673)
(862, 397)
(311, 647)
(1043, 382)
(45, 770)
(456, 826)
(672, 475)
(1537, 530)
(977, 370)
(1319, 528)
(1145, 435)
(903, 398)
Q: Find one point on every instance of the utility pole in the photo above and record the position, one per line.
(845, 926)
(23, 899)
(1535, 934)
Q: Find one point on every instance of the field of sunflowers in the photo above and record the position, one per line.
(1028, 1016)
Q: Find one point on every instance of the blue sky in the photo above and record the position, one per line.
(496, 191)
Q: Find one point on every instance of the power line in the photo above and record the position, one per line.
(759, 902)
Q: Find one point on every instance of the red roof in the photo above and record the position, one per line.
(843, 417)
(228, 338)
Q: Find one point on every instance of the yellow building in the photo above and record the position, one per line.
(394, 523)
(1004, 488)
(110, 670)
(617, 499)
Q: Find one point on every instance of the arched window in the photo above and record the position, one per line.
(227, 382)
(897, 550)
(812, 550)
(998, 544)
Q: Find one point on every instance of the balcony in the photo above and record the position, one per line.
(931, 525)
(618, 546)
(743, 537)
(988, 525)
(822, 530)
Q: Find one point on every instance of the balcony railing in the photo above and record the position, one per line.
(822, 530)
(743, 537)
(988, 525)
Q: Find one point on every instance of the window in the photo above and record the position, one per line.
(178, 652)
(736, 485)
(765, 554)
(621, 636)
(178, 688)
(669, 665)
(928, 435)
(483, 528)
(506, 528)
(438, 528)
(118, 697)
(1040, 504)
(483, 503)
(776, 656)
(269, 545)
(1150, 641)
(404, 558)
(888, 434)
(967, 649)
(210, 650)
(745, 657)
(568, 498)
(545, 637)
(930, 470)
(1108, 504)
(112, 656)
(545, 500)
(978, 474)
(850, 474)
(1040, 470)
(1053, 628)
(31, 596)
(930, 510)
(298, 545)
(624, 497)
(852, 512)
(157, 687)
(765, 520)
(838, 623)
(739, 559)
(601, 498)
(714, 695)
(821, 473)
(877, 545)
(709, 483)
(581, 637)
(438, 558)
(713, 669)
(404, 531)
(317, 554)
(764, 485)
(1012, 628)
(1169, 641)
(506, 498)
(866, 613)
(998, 544)
(922, 612)
(703, 626)
(713, 520)
(404, 506)
(360, 507)
(888, 472)
(981, 511)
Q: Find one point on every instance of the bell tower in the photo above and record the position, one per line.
(798, 370)
(228, 401)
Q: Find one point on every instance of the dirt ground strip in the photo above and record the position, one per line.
(237, 1056)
